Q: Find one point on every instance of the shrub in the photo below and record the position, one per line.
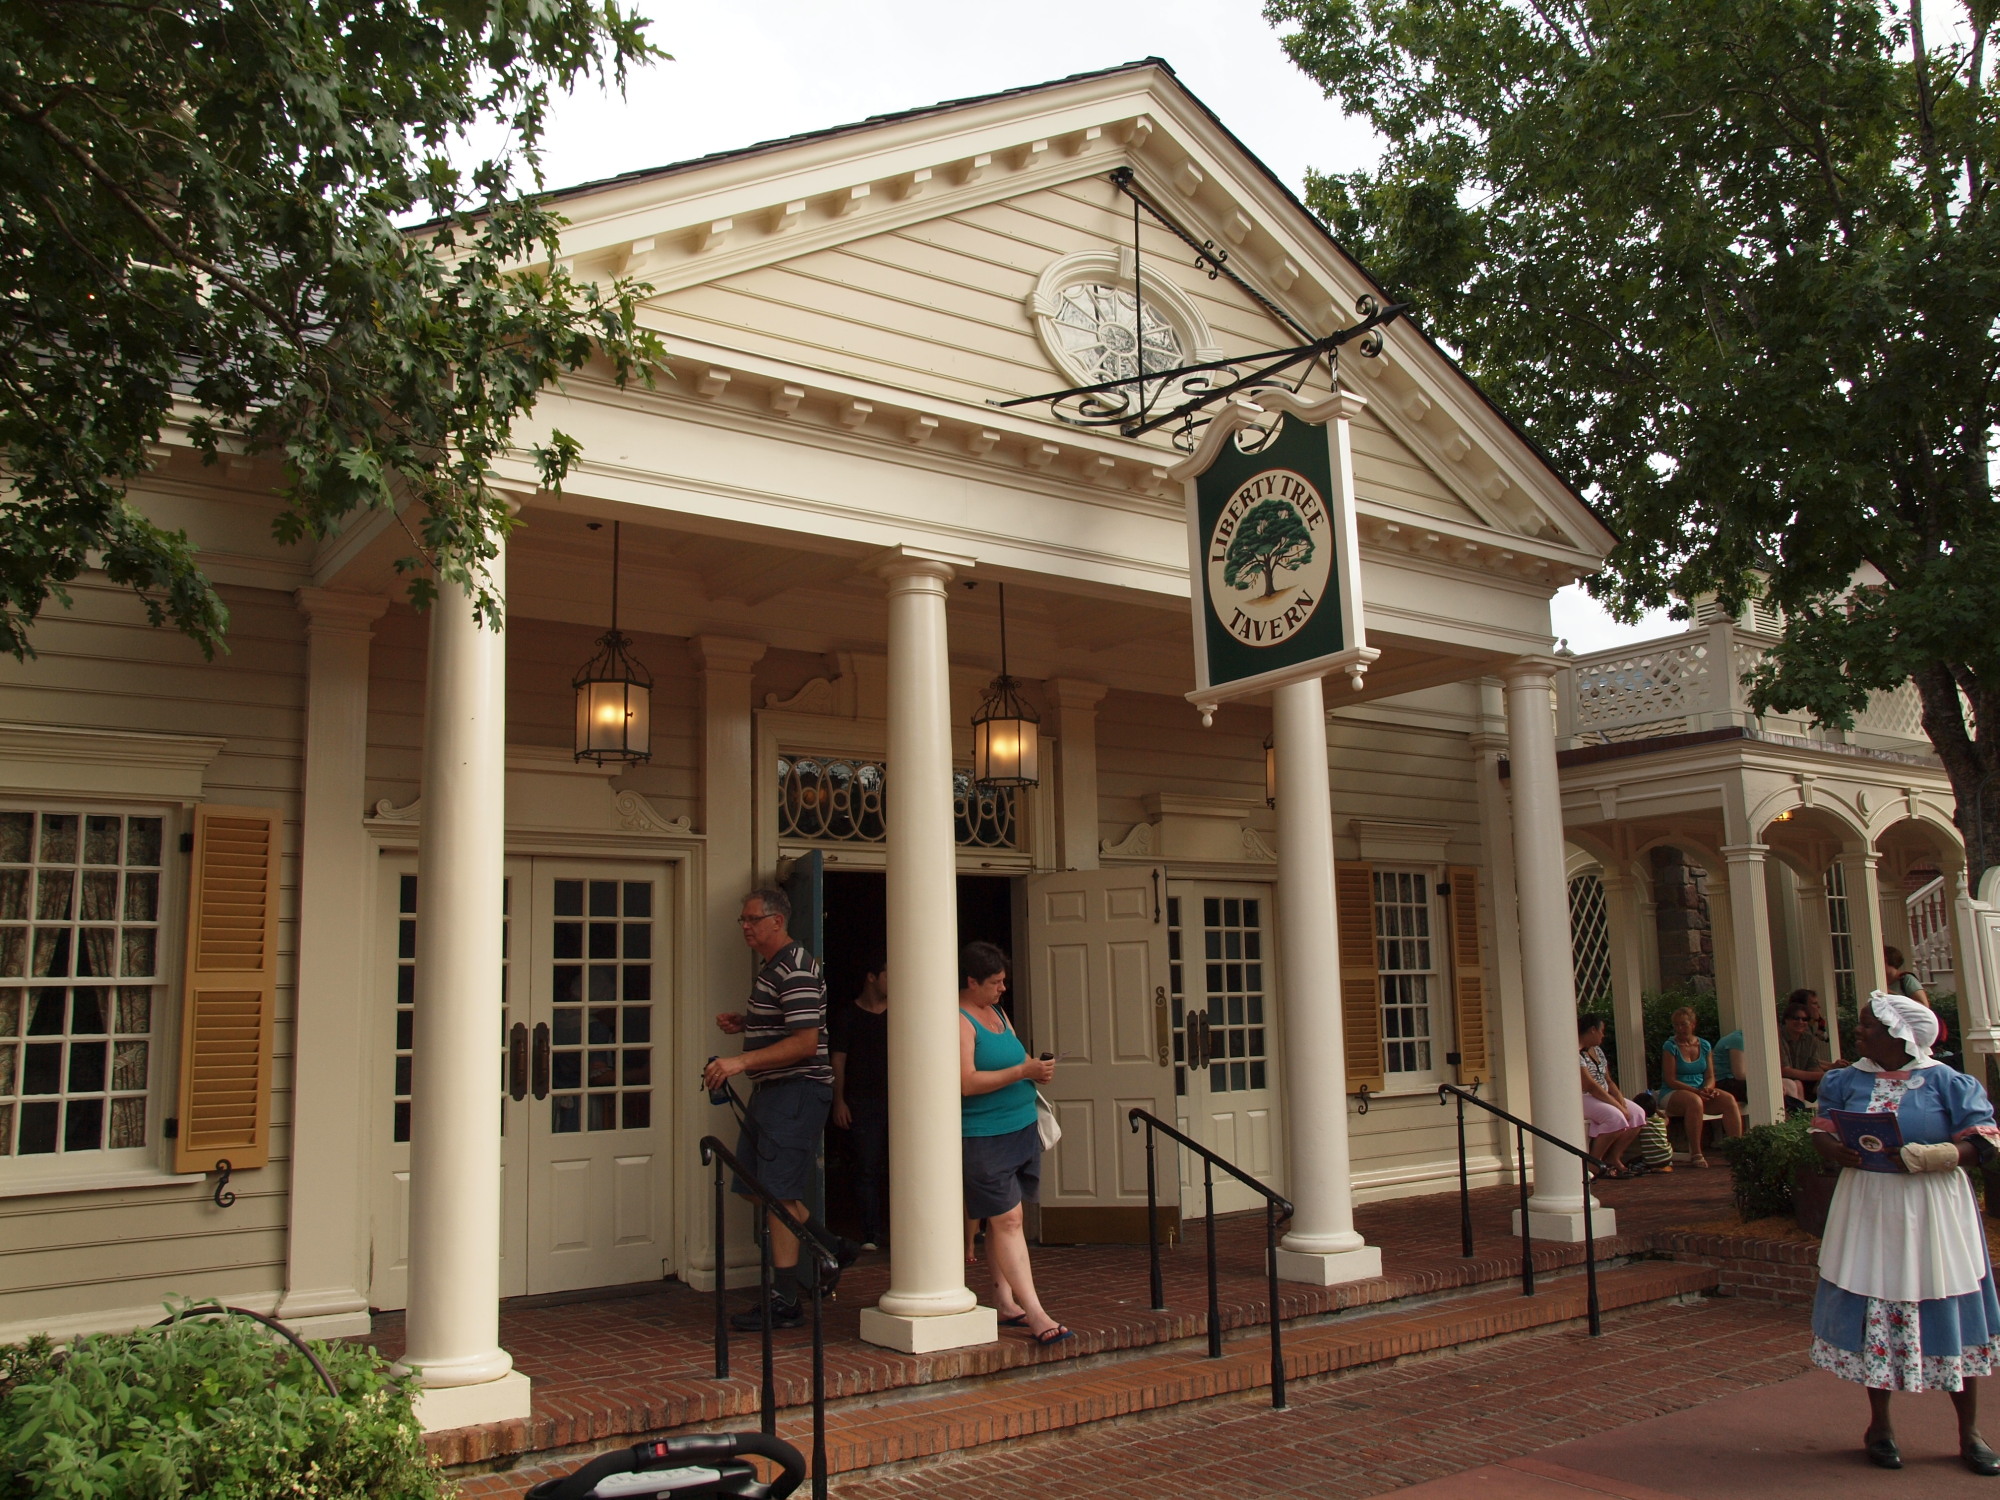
(210, 1408)
(1761, 1163)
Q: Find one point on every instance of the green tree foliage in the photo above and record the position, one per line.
(1734, 263)
(1272, 536)
(200, 204)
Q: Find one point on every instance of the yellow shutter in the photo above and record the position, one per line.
(229, 1003)
(1360, 984)
(1468, 973)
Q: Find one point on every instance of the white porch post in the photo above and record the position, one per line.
(454, 1311)
(1076, 747)
(1816, 950)
(1750, 958)
(1864, 922)
(1556, 1209)
(1621, 925)
(928, 1306)
(326, 1248)
(1322, 1246)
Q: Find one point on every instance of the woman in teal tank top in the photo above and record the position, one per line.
(1002, 1146)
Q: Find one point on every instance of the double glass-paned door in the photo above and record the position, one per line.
(584, 1182)
(1225, 1034)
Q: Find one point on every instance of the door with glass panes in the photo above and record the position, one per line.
(583, 1193)
(1223, 984)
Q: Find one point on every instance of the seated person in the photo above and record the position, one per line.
(1816, 1020)
(1688, 1090)
(1799, 1066)
(1610, 1119)
(1730, 1074)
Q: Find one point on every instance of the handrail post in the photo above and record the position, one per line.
(768, 1392)
(1153, 1220)
(1271, 1275)
(818, 1377)
(1527, 1238)
(1214, 1302)
(721, 1276)
(1464, 1188)
(1590, 1255)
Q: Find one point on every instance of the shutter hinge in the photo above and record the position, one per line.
(1444, 887)
(1454, 1059)
(171, 1127)
(187, 843)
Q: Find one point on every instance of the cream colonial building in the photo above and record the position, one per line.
(342, 908)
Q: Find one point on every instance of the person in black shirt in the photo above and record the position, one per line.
(861, 1096)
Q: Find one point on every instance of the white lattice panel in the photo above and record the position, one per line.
(1639, 686)
(1589, 940)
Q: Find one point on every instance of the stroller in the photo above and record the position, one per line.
(705, 1466)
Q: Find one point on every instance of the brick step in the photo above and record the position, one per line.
(923, 1423)
(606, 1411)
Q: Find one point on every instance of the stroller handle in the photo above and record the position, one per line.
(666, 1453)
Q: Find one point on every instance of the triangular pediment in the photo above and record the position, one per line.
(908, 260)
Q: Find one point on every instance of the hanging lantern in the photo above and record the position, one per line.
(1270, 772)
(614, 694)
(1006, 733)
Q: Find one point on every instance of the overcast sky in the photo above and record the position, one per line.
(753, 70)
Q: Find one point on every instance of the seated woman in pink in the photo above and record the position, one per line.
(1610, 1119)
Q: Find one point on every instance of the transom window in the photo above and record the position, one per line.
(1406, 962)
(602, 1065)
(833, 799)
(79, 961)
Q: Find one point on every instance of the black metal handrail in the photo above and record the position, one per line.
(1592, 1167)
(1277, 1210)
(713, 1152)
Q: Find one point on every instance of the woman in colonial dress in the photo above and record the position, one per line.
(1906, 1299)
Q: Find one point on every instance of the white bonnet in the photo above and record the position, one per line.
(1909, 1023)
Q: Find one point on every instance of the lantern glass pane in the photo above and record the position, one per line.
(1005, 750)
(613, 718)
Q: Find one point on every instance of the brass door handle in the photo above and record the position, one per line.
(1197, 1034)
(541, 1067)
(517, 1062)
(1163, 1024)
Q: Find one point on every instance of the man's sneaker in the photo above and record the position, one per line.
(783, 1315)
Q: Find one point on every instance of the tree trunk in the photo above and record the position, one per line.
(1969, 761)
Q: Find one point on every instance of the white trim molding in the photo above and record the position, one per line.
(50, 761)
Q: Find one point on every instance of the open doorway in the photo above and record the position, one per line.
(854, 936)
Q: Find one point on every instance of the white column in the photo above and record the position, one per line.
(1556, 1209)
(729, 862)
(326, 1247)
(928, 1306)
(1621, 922)
(1864, 921)
(1496, 838)
(1076, 745)
(1816, 950)
(1322, 1246)
(1750, 960)
(454, 1311)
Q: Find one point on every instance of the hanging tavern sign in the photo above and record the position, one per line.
(1272, 553)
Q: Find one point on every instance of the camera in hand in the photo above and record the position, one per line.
(721, 1095)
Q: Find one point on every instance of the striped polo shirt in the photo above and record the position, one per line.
(788, 995)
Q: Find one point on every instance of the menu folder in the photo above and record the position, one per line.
(1878, 1137)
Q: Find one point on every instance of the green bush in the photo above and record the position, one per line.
(213, 1408)
(1761, 1163)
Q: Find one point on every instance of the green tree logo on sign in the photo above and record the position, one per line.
(1272, 536)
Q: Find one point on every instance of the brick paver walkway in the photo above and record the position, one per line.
(1377, 1430)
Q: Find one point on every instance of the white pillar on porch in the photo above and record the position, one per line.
(1750, 959)
(326, 1244)
(1322, 1246)
(928, 1306)
(1622, 936)
(1864, 921)
(1816, 950)
(453, 1342)
(1076, 789)
(1547, 972)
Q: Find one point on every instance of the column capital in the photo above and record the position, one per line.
(330, 612)
(1538, 670)
(905, 561)
(1485, 743)
(1072, 692)
(726, 653)
(1745, 854)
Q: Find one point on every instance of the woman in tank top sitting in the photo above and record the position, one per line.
(1688, 1088)
(1003, 1149)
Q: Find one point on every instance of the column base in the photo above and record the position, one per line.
(702, 1278)
(328, 1313)
(1567, 1228)
(929, 1335)
(441, 1407)
(1364, 1264)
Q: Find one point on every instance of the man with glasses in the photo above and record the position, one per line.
(785, 1052)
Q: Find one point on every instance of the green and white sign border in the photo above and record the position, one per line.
(1333, 413)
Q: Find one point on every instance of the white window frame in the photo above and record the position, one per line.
(1442, 1036)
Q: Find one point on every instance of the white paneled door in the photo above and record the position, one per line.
(1097, 941)
(584, 1201)
(1221, 980)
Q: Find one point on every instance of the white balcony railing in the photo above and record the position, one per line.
(1687, 683)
